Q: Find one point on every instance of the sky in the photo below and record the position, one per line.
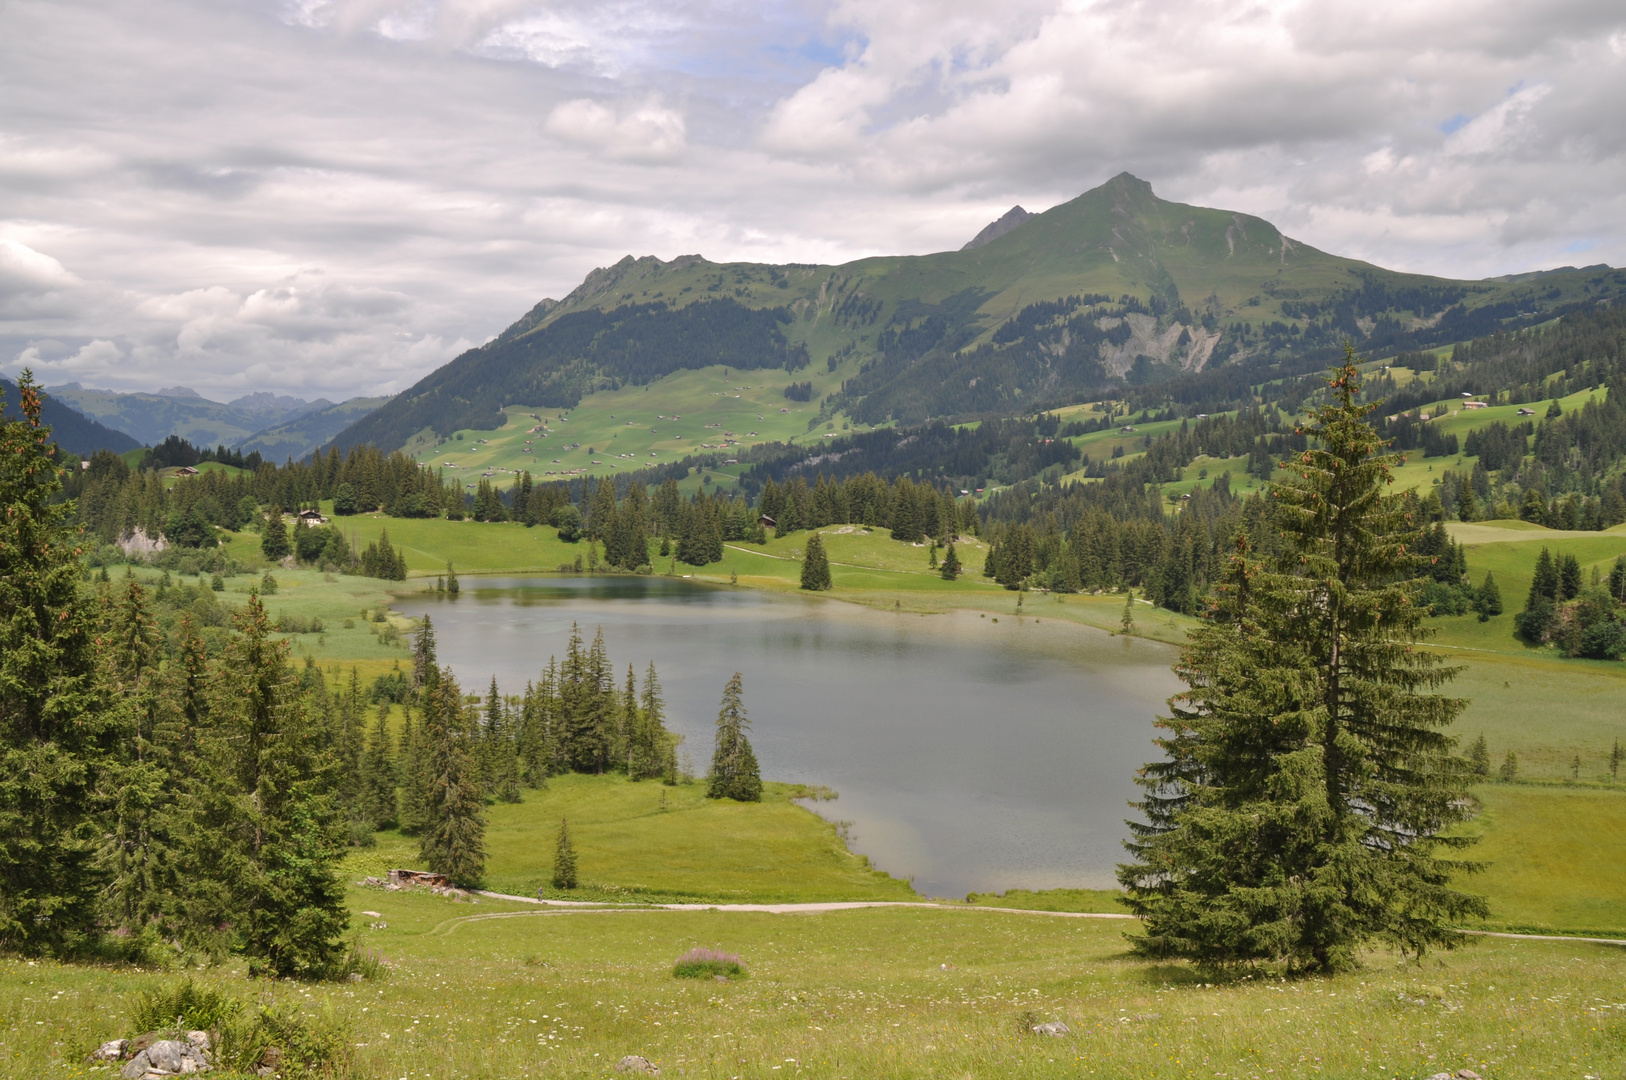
(334, 197)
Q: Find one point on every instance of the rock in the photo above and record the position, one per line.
(111, 1050)
(137, 1067)
(374, 914)
(945, 967)
(1467, 1074)
(199, 1039)
(1054, 1028)
(1441, 1076)
(166, 1055)
(635, 1063)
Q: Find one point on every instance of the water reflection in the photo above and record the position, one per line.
(969, 754)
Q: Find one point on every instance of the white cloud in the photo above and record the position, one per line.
(648, 131)
(336, 196)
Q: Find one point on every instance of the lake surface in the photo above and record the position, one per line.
(969, 755)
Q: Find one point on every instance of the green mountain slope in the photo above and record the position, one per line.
(298, 437)
(70, 429)
(1116, 287)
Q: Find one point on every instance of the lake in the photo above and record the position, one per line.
(969, 754)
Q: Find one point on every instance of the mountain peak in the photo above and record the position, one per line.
(999, 227)
(176, 392)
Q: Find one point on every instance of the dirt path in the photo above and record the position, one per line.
(796, 909)
(562, 907)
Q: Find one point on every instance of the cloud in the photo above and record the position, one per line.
(648, 132)
(335, 196)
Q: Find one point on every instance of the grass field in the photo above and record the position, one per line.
(1554, 856)
(706, 411)
(664, 843)
(497, 990)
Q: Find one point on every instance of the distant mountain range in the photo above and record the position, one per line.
(73, 431)
(279, 427)
(1114, 288)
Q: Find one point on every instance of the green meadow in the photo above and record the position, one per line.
(707, 411)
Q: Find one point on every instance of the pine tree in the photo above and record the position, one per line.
(281, 859)
(951, 564)
(412, 775)
(653, 754)
(1569, 576)
(452, 587)
(815, 565)
(1488, 600)
(378, 778)
(55, 734)
(1466, 508)
(136, 845)
(1300, 811)
(1126, 623)
(453, 840)
(734, 772)
(423, 655)
(1616, 756)
(274, 543)
(1479, 754)
(1509, 771)
(501, 766)
(564, 859)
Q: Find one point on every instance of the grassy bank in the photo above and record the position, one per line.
(669, 844)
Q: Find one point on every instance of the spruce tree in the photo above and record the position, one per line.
(1126, 622)
(423, 655)
(564, 858)
(378, 778)
(815, 565)
(501, 766)
(274, 543)
(734, 772)
(55, 734)
(452, 587)
(1301, 809)
(1488, 599)
(280, 860)
(951, 564)
(412, 775)
(140, 799)
(653, 756)
(453, 840)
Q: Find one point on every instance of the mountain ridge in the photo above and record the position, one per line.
(1115, 287)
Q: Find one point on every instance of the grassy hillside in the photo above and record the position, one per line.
(1112, 288)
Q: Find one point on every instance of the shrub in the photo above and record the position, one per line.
(186, 1006)
(699, 963)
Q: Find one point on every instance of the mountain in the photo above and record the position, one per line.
(1114, 288)
(307, 432)
(995, 229)
(178, 410)
(75, 433)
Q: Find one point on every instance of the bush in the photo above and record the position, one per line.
(186, 1006)
(699, 963)
(1604, 641)
(298, 624)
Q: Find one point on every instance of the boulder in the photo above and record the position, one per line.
(111, 1050)
(170, 1057)
(635, 1063)
(1053, 1028)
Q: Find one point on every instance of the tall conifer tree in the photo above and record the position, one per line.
(454, 833)
(734, 772)
(55, 734)
(378, 777)
(815, 565)
(281, 859)
(1308, 781)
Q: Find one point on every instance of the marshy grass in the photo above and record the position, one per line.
(703, 963)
